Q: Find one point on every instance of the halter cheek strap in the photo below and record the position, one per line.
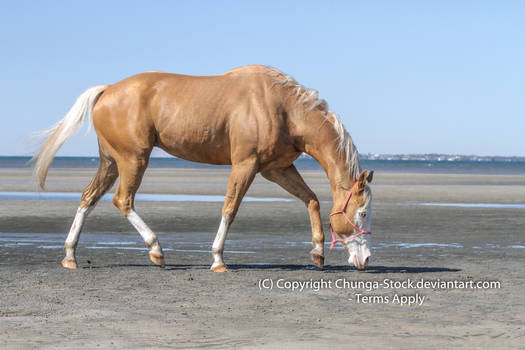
(357, 230)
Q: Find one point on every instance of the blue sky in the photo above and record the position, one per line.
(404, 76)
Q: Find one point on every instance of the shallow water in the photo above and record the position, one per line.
(201, 243)
(147, 197)
(185, 242)
(75, 196)
(420, 245)
(474, 205)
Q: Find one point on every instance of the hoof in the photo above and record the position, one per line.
(318, 260)
(69, 263)
(219, 268)
(156, 259)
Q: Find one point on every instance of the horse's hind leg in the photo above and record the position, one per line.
(104, 178)
(290, 179)
(131, 171)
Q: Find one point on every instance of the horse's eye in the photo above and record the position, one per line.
(362, 214)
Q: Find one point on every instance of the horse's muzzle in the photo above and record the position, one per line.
(361, 265)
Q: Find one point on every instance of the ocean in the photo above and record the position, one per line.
(380, 166)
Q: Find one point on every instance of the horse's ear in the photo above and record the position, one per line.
(370, 176)
(362, 180)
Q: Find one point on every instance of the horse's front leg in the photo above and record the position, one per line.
(290, 179)
(241, 178)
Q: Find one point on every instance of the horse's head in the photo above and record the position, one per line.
(350, 221)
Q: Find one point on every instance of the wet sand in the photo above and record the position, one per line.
(117, 299)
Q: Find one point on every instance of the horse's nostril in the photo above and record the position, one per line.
(366, 261)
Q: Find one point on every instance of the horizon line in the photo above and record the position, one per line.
(368, 154)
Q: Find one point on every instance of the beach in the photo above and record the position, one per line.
(462, 229)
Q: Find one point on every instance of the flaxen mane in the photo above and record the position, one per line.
(309, 99)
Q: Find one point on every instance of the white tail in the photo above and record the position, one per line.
(58, 134)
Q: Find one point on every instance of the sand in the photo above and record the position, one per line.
(118, 299)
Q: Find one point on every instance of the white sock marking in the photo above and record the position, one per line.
(145, 232)
(218, 243)
(74, 232)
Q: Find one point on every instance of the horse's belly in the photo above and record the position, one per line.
(200, 154)
(197, 145)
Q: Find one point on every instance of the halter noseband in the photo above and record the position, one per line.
(357, 232)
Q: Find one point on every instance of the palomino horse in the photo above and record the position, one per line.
(255, 118)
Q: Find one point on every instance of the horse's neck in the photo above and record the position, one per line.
(321, 142)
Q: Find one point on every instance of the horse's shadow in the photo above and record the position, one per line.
(406, 269)
(374, 269)
(148, 266)
(342, 268)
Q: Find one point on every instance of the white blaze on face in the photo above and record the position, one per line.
(359, 247)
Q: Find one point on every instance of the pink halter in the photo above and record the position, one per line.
(357, 231)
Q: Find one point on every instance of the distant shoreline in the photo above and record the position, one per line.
(425, 157)
(390, 165)
(441, 157)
